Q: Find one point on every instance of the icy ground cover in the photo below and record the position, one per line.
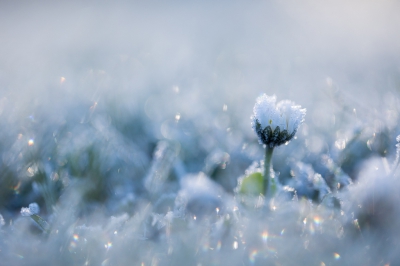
(126, 133)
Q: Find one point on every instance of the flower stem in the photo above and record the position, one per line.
(267, 169)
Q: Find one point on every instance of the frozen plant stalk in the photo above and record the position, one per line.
(397, 160)
(32, 211)
(274, 124)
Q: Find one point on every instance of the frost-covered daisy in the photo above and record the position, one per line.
(276, 124)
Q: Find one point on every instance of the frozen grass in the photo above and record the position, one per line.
(129, 127)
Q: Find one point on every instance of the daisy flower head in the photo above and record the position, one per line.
(276, 123)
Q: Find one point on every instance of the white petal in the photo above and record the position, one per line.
(264, 109)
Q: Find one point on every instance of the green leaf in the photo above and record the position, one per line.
(41, 223)
(252, 184)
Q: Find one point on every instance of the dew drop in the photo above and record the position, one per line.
(235, 245)
(264, 236)
(219, 245)
(177, 117)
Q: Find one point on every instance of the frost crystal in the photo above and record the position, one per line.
(397, 160)
(31, 210)
(34, 208)
(308, 183)
(276, 124)
(25, 212)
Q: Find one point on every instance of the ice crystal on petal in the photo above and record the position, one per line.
(276, 123)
